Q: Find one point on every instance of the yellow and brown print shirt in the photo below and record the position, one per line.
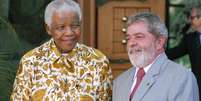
(45, 74)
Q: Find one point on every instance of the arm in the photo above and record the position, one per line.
(22, 85)
(114, 91)
(184, 88)
(179, 50)
(105, 88)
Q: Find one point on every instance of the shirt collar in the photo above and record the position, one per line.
(56, 54)
(145, 68)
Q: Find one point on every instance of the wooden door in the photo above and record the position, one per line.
(88, 8)
(111, 32)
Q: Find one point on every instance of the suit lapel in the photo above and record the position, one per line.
(149, 78)
(130, 82)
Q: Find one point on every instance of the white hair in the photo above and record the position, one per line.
(61, 5)
(154, 23)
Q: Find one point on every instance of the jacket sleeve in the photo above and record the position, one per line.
(114, 91)
(179, 50)
(105, 77)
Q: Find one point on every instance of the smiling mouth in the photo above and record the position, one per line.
(135, 51)
(70, 38)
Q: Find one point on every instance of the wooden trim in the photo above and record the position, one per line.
(93, 24)
(88, 22)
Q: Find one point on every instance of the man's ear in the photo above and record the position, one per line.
(47, 28)
(199, 21)
(160, 43)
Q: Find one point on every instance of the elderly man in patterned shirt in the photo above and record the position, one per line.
(63, 69)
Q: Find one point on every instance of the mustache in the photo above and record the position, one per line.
(134, 50)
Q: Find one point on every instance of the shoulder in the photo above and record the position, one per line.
(125, 75)
(36, 52)
(178, 71)
(182, 82)
(191, 35)
(175, 67)
(91, 52)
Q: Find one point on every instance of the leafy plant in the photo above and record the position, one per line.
(9, 45)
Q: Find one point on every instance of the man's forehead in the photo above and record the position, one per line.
(137, 26)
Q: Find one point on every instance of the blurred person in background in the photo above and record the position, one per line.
(191, 44)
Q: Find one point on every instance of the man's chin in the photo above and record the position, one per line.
(68, 47)
(138, 63)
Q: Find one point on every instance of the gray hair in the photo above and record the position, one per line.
(61, 5)
(154, 23)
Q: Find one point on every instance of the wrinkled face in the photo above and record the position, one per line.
(65, 30)
(195, 19)
(142, 45)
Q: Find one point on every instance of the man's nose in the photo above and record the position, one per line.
(68, 31)
(131, 43)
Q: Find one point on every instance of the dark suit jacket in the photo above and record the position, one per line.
(190, 45)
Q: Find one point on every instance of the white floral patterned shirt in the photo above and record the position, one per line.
(45, 74)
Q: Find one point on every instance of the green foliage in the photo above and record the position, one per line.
(4, 8)
(179, 17)
(9, 46)
(7, 76)
(27, 18)
(9, 42)
(101, 2)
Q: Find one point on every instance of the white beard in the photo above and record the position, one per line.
(140, 57)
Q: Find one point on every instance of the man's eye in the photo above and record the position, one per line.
(60, 28)
(75, 26)
(138, 36)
